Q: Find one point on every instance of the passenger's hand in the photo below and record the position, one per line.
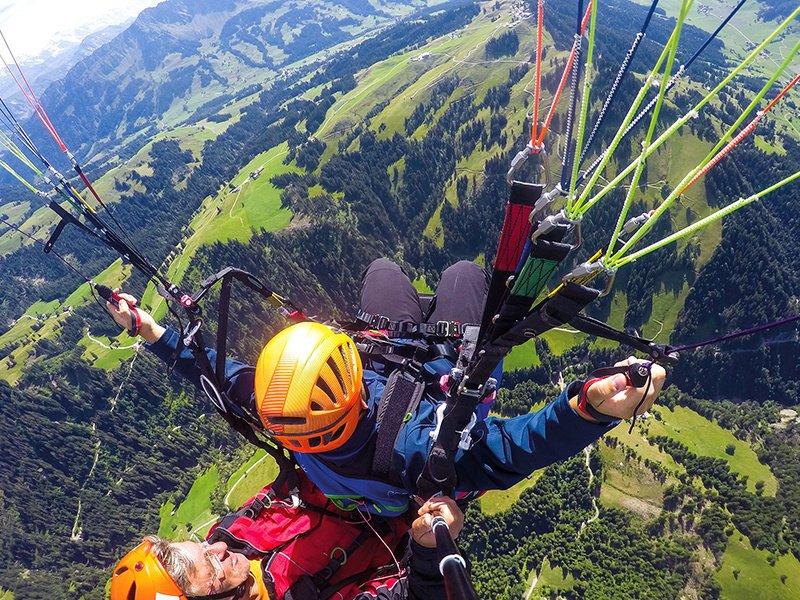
(612, 396)
(149, 330)
(443, 506)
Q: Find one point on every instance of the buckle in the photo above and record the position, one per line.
(382, 322)
(448, 329)
(407, 327)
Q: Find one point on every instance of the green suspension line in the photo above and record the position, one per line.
(584, 113)
(704, 222)
(584, 206)
(14, 149)
(642, 161)
(574, 212)
(18, 177)
(669, 200)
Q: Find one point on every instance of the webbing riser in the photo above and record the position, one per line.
(543, 257)
(552, 311)
(515, 233)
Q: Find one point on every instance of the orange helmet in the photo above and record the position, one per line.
(141, 576)
(308, 387)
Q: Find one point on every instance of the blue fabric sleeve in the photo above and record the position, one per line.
(239, 377)
(509, 450)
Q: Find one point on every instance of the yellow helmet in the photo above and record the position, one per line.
(308, 387)
(141, 576)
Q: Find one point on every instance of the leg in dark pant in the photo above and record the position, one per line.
(461, 293)
(386, 290)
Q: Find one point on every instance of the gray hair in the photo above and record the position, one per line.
(177, 563)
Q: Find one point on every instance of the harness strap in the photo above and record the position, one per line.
(408, 329)
(400, 397)
(371, 573)
(516, 230)
(545, 256)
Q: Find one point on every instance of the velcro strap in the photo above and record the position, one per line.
(400, 397)
(136, 322)
(586, 407)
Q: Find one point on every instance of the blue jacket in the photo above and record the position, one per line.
(503, 452)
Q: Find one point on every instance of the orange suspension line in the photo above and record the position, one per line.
(537, 142)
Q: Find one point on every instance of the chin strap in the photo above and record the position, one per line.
(237, 593)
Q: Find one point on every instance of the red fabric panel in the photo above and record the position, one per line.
(516, 230)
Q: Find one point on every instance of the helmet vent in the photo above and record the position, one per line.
(347, 360)
(287, 420)
(314, 441)
(324, 388)
(121, 570)
(132, 592)
(316, 406)
(339, 378)
(336, 434)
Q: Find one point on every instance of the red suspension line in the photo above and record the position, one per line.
(33, 101)
(30, 96)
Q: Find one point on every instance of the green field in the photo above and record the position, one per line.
(36, 225)
(629, 484)
(637, 442)
(14, 211)
(497, 501)
(43, 320)
(667, 306)
(422, 286)
(756, 579)
(234, 214)
(248, 480)
(706, 438)
(552, 577)
(177, 523)
(522, 357)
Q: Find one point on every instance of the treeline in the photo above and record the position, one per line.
(772, 522)
(550, 522)
(505, 44)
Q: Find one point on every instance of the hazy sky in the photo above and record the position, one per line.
(32, 26)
